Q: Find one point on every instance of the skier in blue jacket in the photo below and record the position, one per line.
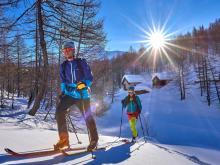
(76, 79)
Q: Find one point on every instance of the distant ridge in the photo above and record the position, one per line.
(110, 54)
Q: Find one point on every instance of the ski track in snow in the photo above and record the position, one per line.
(189, 157)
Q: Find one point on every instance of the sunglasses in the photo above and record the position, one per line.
(66, 50)
(131, 92)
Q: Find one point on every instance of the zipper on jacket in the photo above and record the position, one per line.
(74, 74)
(71, 71)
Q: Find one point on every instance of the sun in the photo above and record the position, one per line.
(157, 40)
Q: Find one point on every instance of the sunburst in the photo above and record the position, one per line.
(158, 40)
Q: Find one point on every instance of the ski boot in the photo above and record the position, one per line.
(62, 144)
(92, 145)
(134, 139)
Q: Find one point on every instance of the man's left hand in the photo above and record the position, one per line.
(81, 85)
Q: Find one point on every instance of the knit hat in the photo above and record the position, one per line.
(131, 89)
(68, 44)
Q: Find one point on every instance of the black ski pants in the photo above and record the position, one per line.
(84, 106)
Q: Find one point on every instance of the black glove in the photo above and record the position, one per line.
(123, 102)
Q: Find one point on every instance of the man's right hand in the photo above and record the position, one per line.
(122, 102)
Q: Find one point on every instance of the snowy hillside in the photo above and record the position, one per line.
(118, 154)
(179, 132)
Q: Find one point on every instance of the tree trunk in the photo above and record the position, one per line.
(18, 70)
(215, 82)
(81, 30)
(43, 82)
(207, 83)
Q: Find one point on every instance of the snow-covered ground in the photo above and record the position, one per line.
(179, 132)
(21, 139)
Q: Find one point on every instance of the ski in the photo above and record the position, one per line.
(101, 147)
(119, 141)
(40, 153)
(126, 141)
(71, 153)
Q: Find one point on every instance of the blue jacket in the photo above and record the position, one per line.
(73, 72)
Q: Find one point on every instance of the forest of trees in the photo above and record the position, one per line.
(200, 49)
(31, 40)
(30, 52)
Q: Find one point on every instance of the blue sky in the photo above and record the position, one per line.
(122, 18)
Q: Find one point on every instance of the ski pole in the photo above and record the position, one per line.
(142, 127)
(115, 141)
(121, 121)
(79, 142)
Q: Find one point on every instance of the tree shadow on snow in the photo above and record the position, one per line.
(114, 155)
